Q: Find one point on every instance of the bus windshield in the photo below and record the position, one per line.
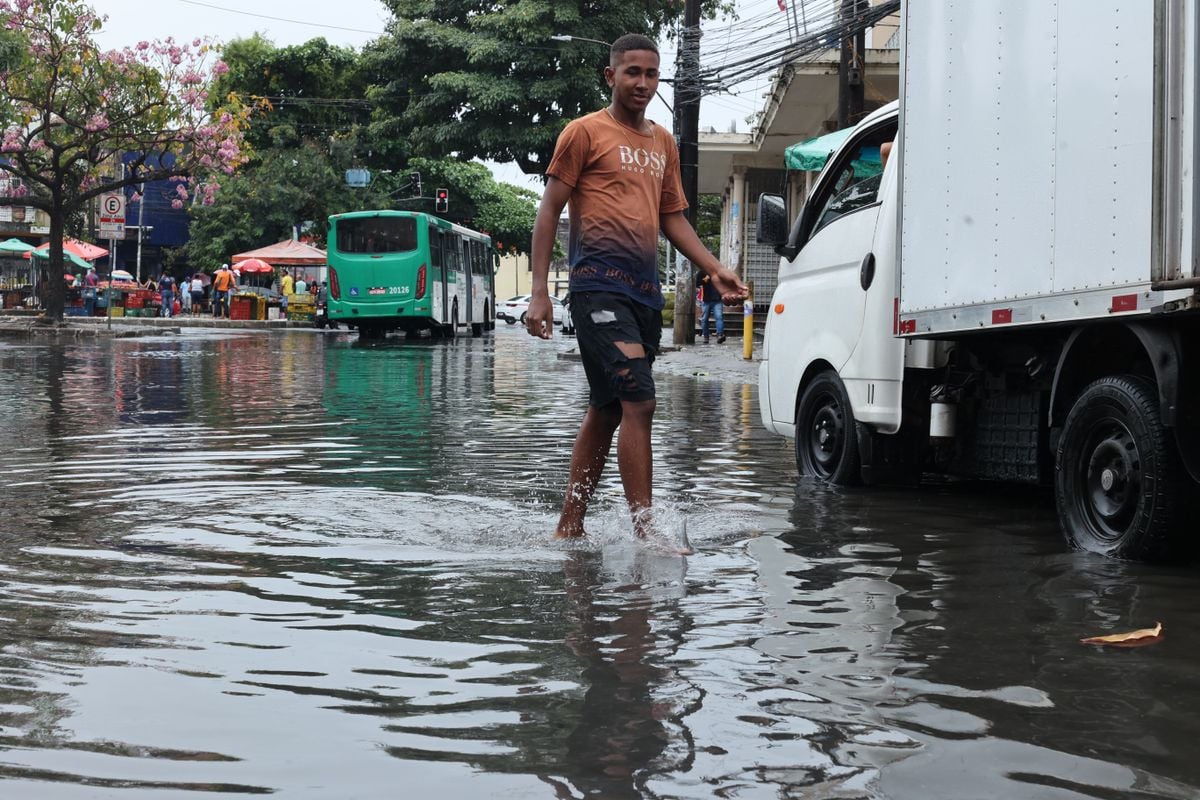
(377, 235)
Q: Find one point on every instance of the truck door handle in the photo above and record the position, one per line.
(866, 272)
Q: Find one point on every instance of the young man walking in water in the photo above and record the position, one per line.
(620, 174)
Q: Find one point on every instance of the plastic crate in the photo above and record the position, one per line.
(75, 311)
(300, 316)
(135, 301)
(116, 311)
(241, 308)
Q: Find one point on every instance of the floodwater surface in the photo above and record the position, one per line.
(256, 564)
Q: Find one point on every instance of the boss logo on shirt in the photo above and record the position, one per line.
(640, 159)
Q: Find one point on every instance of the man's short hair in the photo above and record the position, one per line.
(627, 42)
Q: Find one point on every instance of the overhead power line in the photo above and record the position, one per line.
(325, 25)
(833, 28)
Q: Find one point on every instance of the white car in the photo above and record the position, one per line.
(513, 309)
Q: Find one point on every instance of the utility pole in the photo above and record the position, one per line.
(850, 69)
(687, 134)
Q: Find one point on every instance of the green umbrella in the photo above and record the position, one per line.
(68, 256)
(15, 246)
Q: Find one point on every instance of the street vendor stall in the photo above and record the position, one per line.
(303, 261)
(75, 301)
(79, 256)
(257, 290)
(18, 288)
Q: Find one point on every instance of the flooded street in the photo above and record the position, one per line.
(288, 564)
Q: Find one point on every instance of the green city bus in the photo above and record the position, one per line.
(409, 271)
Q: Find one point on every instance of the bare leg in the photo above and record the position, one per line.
(635, 459)
(587, 462)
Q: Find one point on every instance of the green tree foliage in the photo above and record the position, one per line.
(708, 222)
(314, 91)
(485, 80)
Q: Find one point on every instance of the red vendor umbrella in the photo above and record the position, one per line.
(253, 265)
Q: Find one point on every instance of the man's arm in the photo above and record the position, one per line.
(681, 234)
(539, 318)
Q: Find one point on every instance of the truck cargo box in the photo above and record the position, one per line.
(1059, 186)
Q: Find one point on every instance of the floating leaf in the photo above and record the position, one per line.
(1137, 638)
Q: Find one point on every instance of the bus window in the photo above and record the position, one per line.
(377, 235)
(435, 247)
(477, 258)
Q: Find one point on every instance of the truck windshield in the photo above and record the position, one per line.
(377, 235)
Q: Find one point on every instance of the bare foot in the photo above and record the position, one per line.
(656, 540)
(663, 545)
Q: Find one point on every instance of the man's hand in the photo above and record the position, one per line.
(539, 317)
(729, 285)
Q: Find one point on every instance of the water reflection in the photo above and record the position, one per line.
(292, 564)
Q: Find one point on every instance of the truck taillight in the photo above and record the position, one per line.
(335, 289)
(421, 282)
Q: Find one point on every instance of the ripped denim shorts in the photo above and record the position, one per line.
(602, 319)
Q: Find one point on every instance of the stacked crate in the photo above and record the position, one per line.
(301, 307)
(241, 307)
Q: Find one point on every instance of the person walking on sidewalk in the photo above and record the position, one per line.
(619, 172)
(224, 283)
(166, 291)
(711, 305)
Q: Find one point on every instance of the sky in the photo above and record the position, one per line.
(287, 22)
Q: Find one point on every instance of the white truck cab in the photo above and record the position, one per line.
(995, 276)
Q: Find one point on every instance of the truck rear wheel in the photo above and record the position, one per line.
(826, 443)
(1117, 478)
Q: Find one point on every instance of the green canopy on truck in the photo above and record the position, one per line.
(811, 154)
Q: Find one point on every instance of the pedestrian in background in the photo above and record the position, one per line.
(166, 291)
(90, 282)
(620, 174)
(301, 285)
(224, 283)
(185, 296)
(711, 305)
(196, 289)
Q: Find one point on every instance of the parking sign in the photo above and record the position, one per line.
(112, 215)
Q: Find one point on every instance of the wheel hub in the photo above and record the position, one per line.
(1112, 478)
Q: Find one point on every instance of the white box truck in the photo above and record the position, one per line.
(996, 276)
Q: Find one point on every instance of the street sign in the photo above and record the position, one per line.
(112, 215)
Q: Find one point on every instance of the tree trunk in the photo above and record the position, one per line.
(55, 288)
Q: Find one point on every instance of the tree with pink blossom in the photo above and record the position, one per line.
(77, 121)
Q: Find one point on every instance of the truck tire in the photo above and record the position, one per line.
(826, 441)
(1117, 477)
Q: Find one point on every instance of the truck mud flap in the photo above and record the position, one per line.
(893, 460)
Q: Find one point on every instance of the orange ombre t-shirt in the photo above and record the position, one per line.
(622, 180)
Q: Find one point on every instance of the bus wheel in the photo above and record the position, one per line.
(1117, 476)
(477, 329)
(452, 330)
(826, 442)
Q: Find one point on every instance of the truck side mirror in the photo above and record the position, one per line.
(772, 221)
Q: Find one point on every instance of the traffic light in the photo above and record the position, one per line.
(441, 201)
(414, 182)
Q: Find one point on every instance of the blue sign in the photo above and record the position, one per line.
(354, 291)
(358, 178)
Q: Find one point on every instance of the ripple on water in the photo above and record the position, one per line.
(288, 564)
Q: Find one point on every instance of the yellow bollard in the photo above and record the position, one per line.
(748, 327)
